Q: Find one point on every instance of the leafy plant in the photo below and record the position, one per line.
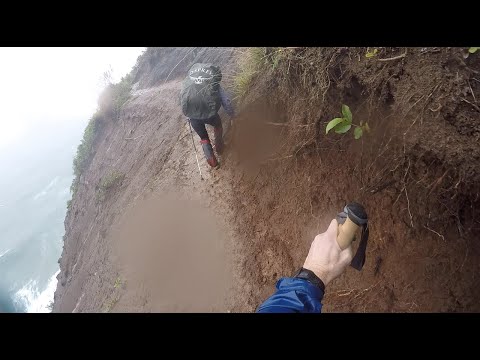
(109, 304)
(111, 180)
(84, 151)
(118, 283)
(110, 103)
(358, 132)
(108, 182)
(473, 50)
(114, 96)
(342, 124)
(371, 53)
(250, 63)
(274, 56)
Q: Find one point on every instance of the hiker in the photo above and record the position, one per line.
(201, 98)
(304, 292)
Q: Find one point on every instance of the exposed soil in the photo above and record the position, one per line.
(157, 157)
(280, 183)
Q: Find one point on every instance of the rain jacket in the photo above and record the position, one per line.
(226, 102)
(293, 295)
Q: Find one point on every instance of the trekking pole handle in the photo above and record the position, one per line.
(349, 220)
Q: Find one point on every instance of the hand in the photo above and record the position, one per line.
(325, 258)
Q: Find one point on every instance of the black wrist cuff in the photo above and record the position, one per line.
(310, 277)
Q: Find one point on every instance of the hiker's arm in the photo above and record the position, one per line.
(293, 295)
(226, 103)
(304, 292)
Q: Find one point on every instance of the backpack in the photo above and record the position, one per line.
(200, 95)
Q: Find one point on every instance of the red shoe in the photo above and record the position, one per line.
(208, 151)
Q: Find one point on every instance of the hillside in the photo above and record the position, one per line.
(141, 220)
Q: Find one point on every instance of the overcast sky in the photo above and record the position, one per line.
(51, 85)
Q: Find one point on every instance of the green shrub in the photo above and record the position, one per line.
(250, 63)
(109, 304)
(108, 182)
(111, 180)
(110, 103)
(256, 60)
(84, 151)
(114, 97)
(371, 53)
(118, 283)
(342, 124)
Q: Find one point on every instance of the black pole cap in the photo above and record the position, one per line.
(356, 213)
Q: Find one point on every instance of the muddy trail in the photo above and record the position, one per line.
(161, 193)
(163, 239)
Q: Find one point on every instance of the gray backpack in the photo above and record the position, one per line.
(200, 96)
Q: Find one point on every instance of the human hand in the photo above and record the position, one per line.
(325, 258)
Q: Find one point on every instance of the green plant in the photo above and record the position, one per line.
(121, 93)
(110, 304)
(84, 151)
(110, 103)
(85, 147)
(273, 57)
(114, 96)
(107, 183)
(371, 53)
(69, 204)
(250, 63)
(111, 180)
(118, 283)
(473, 50)
(342, 124)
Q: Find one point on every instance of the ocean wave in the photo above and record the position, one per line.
(5, 253)
(31, 300)
(50, 185)
(39, 195)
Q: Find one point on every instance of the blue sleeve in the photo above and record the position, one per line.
(293, 295)
(226, 102)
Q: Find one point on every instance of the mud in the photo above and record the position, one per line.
(410, 172)
(165, 240)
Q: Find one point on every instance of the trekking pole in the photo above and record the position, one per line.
(349, 220)
(193, 142)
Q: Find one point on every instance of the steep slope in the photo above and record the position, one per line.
(145, 233)
(132, 150)
(417, 171)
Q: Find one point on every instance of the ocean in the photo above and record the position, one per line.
(36, 174)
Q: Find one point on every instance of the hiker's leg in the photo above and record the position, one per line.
(216, 122)
(209, 154)
(199, 127)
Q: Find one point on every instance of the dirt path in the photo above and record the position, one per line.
(180, 184)
(160, 197)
